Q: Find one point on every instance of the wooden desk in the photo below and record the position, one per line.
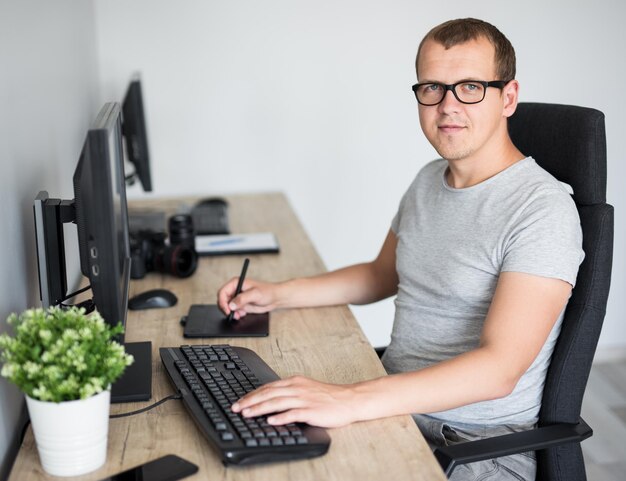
(323, 343)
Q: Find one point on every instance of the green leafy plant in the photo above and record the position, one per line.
(62, 354)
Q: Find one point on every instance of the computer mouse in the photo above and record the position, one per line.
(213, 201)
(152, 299)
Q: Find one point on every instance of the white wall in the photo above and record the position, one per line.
(48, 98)
(314, 99)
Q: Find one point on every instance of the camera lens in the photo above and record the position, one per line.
(178, 260)
(181, 230)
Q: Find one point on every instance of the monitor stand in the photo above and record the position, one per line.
(136, 382)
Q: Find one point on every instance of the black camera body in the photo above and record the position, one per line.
(149, 250)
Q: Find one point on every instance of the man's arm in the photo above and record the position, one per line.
(520, 318)
(357, 284)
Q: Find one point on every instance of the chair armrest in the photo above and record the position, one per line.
(544, 437)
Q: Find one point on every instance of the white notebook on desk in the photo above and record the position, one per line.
(255, 243)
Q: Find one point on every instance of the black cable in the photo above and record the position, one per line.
(74, 294)
(178, 395)
(88, 305)
(131, 178)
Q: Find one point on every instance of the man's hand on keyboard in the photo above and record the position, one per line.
(300, 399)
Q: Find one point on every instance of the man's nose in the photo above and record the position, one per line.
(449, 102)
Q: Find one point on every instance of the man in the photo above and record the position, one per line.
(482, 255)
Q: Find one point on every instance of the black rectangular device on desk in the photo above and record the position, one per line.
(210, 217)
(211, 378)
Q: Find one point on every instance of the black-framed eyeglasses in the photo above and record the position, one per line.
(465, 91)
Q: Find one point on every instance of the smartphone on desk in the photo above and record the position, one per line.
(166, 468)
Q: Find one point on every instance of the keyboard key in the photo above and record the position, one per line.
(221, 426)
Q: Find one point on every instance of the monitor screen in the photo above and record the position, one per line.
(134, 129)
(102, 216)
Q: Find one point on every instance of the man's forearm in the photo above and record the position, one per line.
(357, 284)
(471, 377)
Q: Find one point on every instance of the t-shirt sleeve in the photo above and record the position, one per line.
(395, 223)
(546, 240)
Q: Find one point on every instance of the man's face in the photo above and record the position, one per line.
(460, 131)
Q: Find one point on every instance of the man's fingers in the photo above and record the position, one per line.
(225, 294)
(274, 405)
(247, 301)
(291, 416)
(260, 395)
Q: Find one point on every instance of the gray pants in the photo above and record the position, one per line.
(518, 467)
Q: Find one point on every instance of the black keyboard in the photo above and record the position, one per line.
(210, 217)
(211, 379)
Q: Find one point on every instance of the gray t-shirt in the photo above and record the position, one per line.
(452, 246)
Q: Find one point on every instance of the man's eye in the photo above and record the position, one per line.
(471, 87)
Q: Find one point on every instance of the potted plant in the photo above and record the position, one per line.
(64, 361)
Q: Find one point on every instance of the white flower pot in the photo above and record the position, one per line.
(71, 436)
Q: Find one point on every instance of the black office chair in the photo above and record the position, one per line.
(570, 143)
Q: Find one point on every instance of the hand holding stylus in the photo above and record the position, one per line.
(246, 262)
(258, 297)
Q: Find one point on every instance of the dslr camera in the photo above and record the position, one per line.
(150, 252)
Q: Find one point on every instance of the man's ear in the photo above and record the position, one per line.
(510, 94)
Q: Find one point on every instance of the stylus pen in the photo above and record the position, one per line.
(231, 316)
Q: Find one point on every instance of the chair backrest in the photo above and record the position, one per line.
(570, 143)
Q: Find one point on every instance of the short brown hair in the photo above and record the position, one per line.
(462, 30)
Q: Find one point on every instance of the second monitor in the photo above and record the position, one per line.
(136, 135)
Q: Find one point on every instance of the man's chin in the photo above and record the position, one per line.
(454, 154)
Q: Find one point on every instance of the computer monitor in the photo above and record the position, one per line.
(50, 243)
(102, 215)
(100, 212)
(135, 134)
